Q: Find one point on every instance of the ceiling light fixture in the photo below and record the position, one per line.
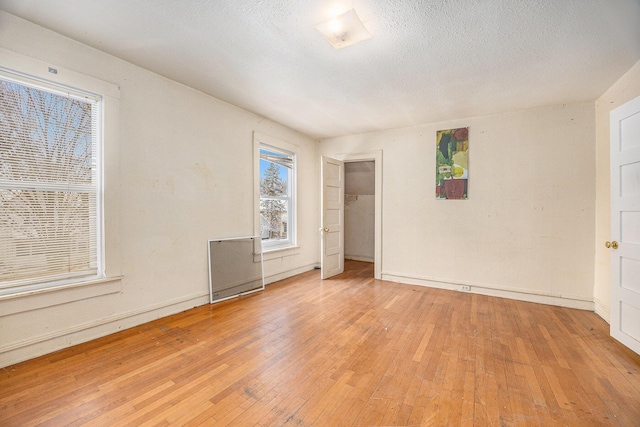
(344, 30)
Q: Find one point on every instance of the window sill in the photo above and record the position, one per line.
(57, 295)
(274, 253)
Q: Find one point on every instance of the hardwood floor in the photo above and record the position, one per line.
(349, 351)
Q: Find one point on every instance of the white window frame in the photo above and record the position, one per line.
(28, 71)
(274, 144)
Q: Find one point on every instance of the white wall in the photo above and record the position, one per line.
(527, 230)
(180, 172)
(624, 90)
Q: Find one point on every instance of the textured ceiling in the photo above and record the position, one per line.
(428, 61)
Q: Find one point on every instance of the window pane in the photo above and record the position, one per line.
(274, 173)
(274, 216)
(50, 233)
(44, 137)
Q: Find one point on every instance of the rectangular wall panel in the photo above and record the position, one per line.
(235, 267)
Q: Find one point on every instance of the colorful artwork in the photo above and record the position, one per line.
(452, 163)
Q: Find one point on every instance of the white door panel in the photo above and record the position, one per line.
(332, 251)
(625, 224)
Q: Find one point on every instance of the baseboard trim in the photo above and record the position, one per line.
(288, 273)
(20, 351)
(359, 258)
(113, 324)
(602, 310)
(481, 289)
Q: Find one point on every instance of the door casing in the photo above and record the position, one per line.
(376, 157)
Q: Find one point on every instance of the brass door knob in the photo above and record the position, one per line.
(613, 244)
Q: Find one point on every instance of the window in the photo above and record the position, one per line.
(277, 195)
(50, 184)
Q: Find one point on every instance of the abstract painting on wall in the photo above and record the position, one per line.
(452, 163)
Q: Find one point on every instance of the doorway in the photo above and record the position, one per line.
(364, 176)
(359, 211)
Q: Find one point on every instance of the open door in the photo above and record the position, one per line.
(625, 224)
(332, 217)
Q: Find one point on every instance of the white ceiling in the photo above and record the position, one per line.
(428, 60)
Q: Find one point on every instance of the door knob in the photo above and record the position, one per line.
(326, 230)
(613, 245)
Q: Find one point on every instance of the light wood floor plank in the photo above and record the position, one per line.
(348, 351)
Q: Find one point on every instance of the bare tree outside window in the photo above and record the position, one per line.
(47, 184)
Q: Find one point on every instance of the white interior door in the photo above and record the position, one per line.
(625, 224)
(332, 230)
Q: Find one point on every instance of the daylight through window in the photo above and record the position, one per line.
(276, 197)
(49, 185)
